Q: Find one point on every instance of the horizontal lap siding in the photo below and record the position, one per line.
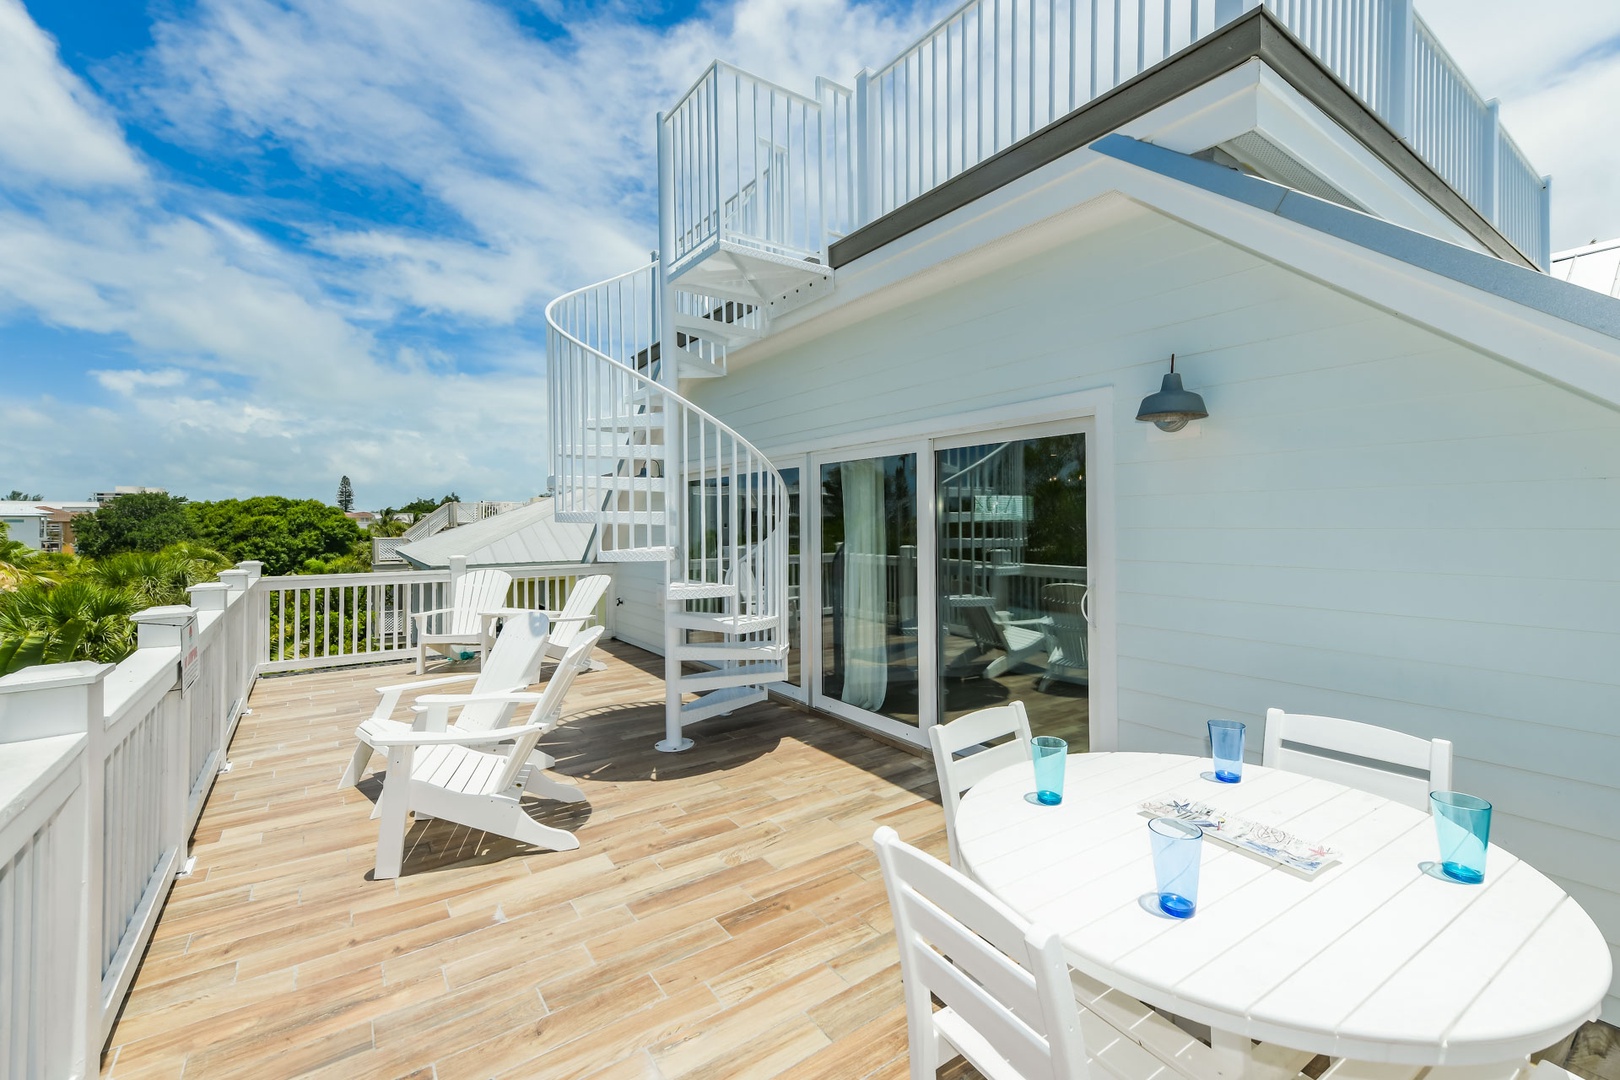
(1376, 522)
(638, 617)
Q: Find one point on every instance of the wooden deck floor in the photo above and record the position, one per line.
(723, 917)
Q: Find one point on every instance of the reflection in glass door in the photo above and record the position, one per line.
(795, 576)
(1011, 523)
(869, 585)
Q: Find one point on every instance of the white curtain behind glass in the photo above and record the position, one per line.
(866, 660)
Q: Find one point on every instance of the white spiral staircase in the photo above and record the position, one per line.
(664, 481)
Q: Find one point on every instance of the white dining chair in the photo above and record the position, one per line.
(1358, 755)
(1004, 983)
(957, 774)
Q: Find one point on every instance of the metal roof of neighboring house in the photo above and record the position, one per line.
(8, 508)
(1520, 285)
(1595, 266)
(527, 535)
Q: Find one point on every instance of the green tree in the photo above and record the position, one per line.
(139, 521)
(154, 578)
(43, 623)
(282, 533)
(18, 496)
(345, 499)
(427, 506)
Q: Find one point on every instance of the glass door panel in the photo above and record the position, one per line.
(795, 577)
(1011, 523)
(869, 585)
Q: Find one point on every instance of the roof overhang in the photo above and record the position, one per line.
(1561, 332)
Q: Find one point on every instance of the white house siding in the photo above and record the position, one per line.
(638, 617)
(1376, 522)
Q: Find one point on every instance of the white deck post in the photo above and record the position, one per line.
(1493, 163)
(1545, 254)
(1399, 86)
(861, 146)
(165, 628)
(674, 467)
(67, 699)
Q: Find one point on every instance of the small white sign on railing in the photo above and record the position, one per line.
(190, 653)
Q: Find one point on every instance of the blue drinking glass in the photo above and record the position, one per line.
(1177, 847)
(1226, 743)
(1051, 755)
(1464, 825)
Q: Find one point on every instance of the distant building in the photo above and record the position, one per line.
(1595, 266)
(363, 518)
(102, 498)
(43, 526)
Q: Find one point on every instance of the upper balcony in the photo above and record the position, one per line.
(769, 180)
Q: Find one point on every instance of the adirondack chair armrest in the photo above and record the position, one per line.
(392, 693)
(428, 701)
(382, 738)
(421, 617)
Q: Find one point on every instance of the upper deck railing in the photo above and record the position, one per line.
(761, 166)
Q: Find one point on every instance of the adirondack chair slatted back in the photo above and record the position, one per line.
(548, 711)
(1322, 746)
(1003, 981)
(512, 664)
(474, 592)
(956, 774)
(582, 601)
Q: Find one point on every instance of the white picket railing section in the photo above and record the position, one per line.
(758, 165)
(107, 769)
(748, 167)
(327, 620)
(665, 481)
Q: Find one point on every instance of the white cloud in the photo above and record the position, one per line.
(1556, 69)
(52, 128)
(129, 381)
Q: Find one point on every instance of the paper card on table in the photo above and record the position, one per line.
(1267, 841)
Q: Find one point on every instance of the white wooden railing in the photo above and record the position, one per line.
(748, 159)
(993, 72)
(326, 620)
(103, 773)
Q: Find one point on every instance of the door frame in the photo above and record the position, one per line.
(1089, 412)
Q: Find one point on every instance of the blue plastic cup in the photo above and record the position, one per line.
(1051, 755)
(1463, 823)
(1226, 744)
(1177, 851)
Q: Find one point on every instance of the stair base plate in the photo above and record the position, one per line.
(664, 746)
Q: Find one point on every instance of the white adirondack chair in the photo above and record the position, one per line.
(990, 634)
(579, 610)
(468, 621)
(1066, 658)
(475, 778)
(956, 774)
(1349, 752)
(513, 664)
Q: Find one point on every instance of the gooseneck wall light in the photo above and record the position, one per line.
(1172, 406)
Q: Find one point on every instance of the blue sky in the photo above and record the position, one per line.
(248, 246)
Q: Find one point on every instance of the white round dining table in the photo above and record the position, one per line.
(1375, 957)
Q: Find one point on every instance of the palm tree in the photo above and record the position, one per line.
(153, 578)
(43, 623)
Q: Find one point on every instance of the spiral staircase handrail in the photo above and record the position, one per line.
(684, 402)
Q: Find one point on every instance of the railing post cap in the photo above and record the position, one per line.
(42, 676)
(167, 615)
(212, 595)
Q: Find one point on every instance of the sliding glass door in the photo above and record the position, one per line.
(868, 576)
(1011, 580)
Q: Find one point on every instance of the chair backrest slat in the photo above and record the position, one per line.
(1320, 746)
(582, 600)
(957, 774)
(477, 591)
(548, 710)
(1001, 977)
